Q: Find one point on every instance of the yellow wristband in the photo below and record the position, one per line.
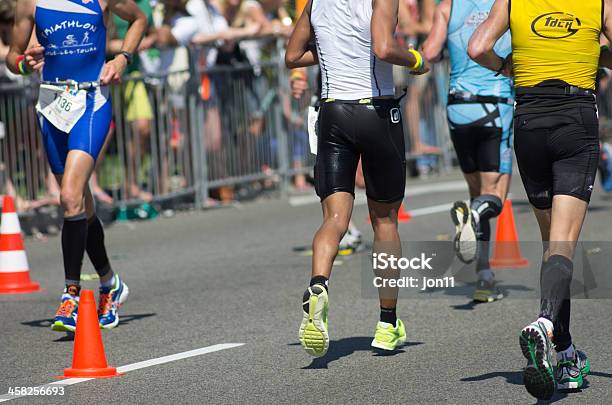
(419, 60)
(297, 75)
(22, 69)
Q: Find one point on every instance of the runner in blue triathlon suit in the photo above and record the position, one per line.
(480, 120)
(74, 111)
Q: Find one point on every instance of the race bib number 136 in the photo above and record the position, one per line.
(61, 106)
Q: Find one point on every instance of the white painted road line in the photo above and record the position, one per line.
(411, 191)
(178, 356)
(419, 212)
(137, 366)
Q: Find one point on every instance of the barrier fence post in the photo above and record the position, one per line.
(280, 129)
(199, 150)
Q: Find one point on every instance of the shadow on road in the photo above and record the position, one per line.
(512, 377)
(126, 319)
(69, 337)
(347, 346)
(123, 319)
(469, 289)
(516, 378)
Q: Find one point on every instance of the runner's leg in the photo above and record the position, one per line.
(78, 168)
(386, 240)
(337, 210)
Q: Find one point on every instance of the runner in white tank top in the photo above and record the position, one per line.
(349, 68)
(353, 42)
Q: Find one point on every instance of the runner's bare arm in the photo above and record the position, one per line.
(434, 44)
(300, 51)
(428, 9)
(483, 41)
(128, 11)
(605, 59)
(384, 44)
(21, 35)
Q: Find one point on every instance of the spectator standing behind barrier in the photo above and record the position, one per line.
(415, 21)
(7, 16)
(274, 21)
(201, 22)
(136, 104)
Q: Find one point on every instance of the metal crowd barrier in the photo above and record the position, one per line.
(189, 134)
(23, 168)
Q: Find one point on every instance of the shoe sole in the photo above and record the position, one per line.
(463, 232)
(570, 385)
(313, 333)
(538, 379)
(380, 346)
(122, 298)
(61, 327)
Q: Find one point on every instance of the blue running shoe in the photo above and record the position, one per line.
(66, 316)
(110, 301)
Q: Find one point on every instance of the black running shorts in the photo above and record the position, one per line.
(557, 153)
(482, 136)
(373, 131)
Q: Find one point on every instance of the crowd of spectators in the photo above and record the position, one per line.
(191, 44)
(222, 33)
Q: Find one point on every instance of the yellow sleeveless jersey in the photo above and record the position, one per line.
(555, 39)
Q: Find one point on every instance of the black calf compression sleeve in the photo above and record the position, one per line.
(95, 247)
(484, 236)
(74, 240)
(555, 280)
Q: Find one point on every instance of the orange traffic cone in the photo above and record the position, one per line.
(88, 359)
(507, 251)
(402, 215)
(14, 269)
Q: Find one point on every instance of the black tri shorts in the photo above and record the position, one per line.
(557, 153)
(482, 136)
(374, 132)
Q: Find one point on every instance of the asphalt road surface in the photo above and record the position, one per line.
(223, 276)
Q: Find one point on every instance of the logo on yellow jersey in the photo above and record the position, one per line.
(555, 25)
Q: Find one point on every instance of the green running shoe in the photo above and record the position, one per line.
(536, 345)
(313, 330)
(572, 370)
(487, 291)
(389, 337)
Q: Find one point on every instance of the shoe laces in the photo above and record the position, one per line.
(66, 308)
(105, 303)
(569, 367)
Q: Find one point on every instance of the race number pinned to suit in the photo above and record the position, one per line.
(313, 118)
(62, 106)
(396, 116)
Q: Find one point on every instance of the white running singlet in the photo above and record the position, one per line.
(349, 68)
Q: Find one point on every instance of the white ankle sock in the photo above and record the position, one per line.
(568, 353)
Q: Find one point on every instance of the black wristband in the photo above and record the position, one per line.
(128, 56)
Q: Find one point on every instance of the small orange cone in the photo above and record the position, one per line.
(88, 359)
(507, 253)
(14, 269)
(402, 215)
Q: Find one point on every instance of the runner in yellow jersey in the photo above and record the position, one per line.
(554, 60)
